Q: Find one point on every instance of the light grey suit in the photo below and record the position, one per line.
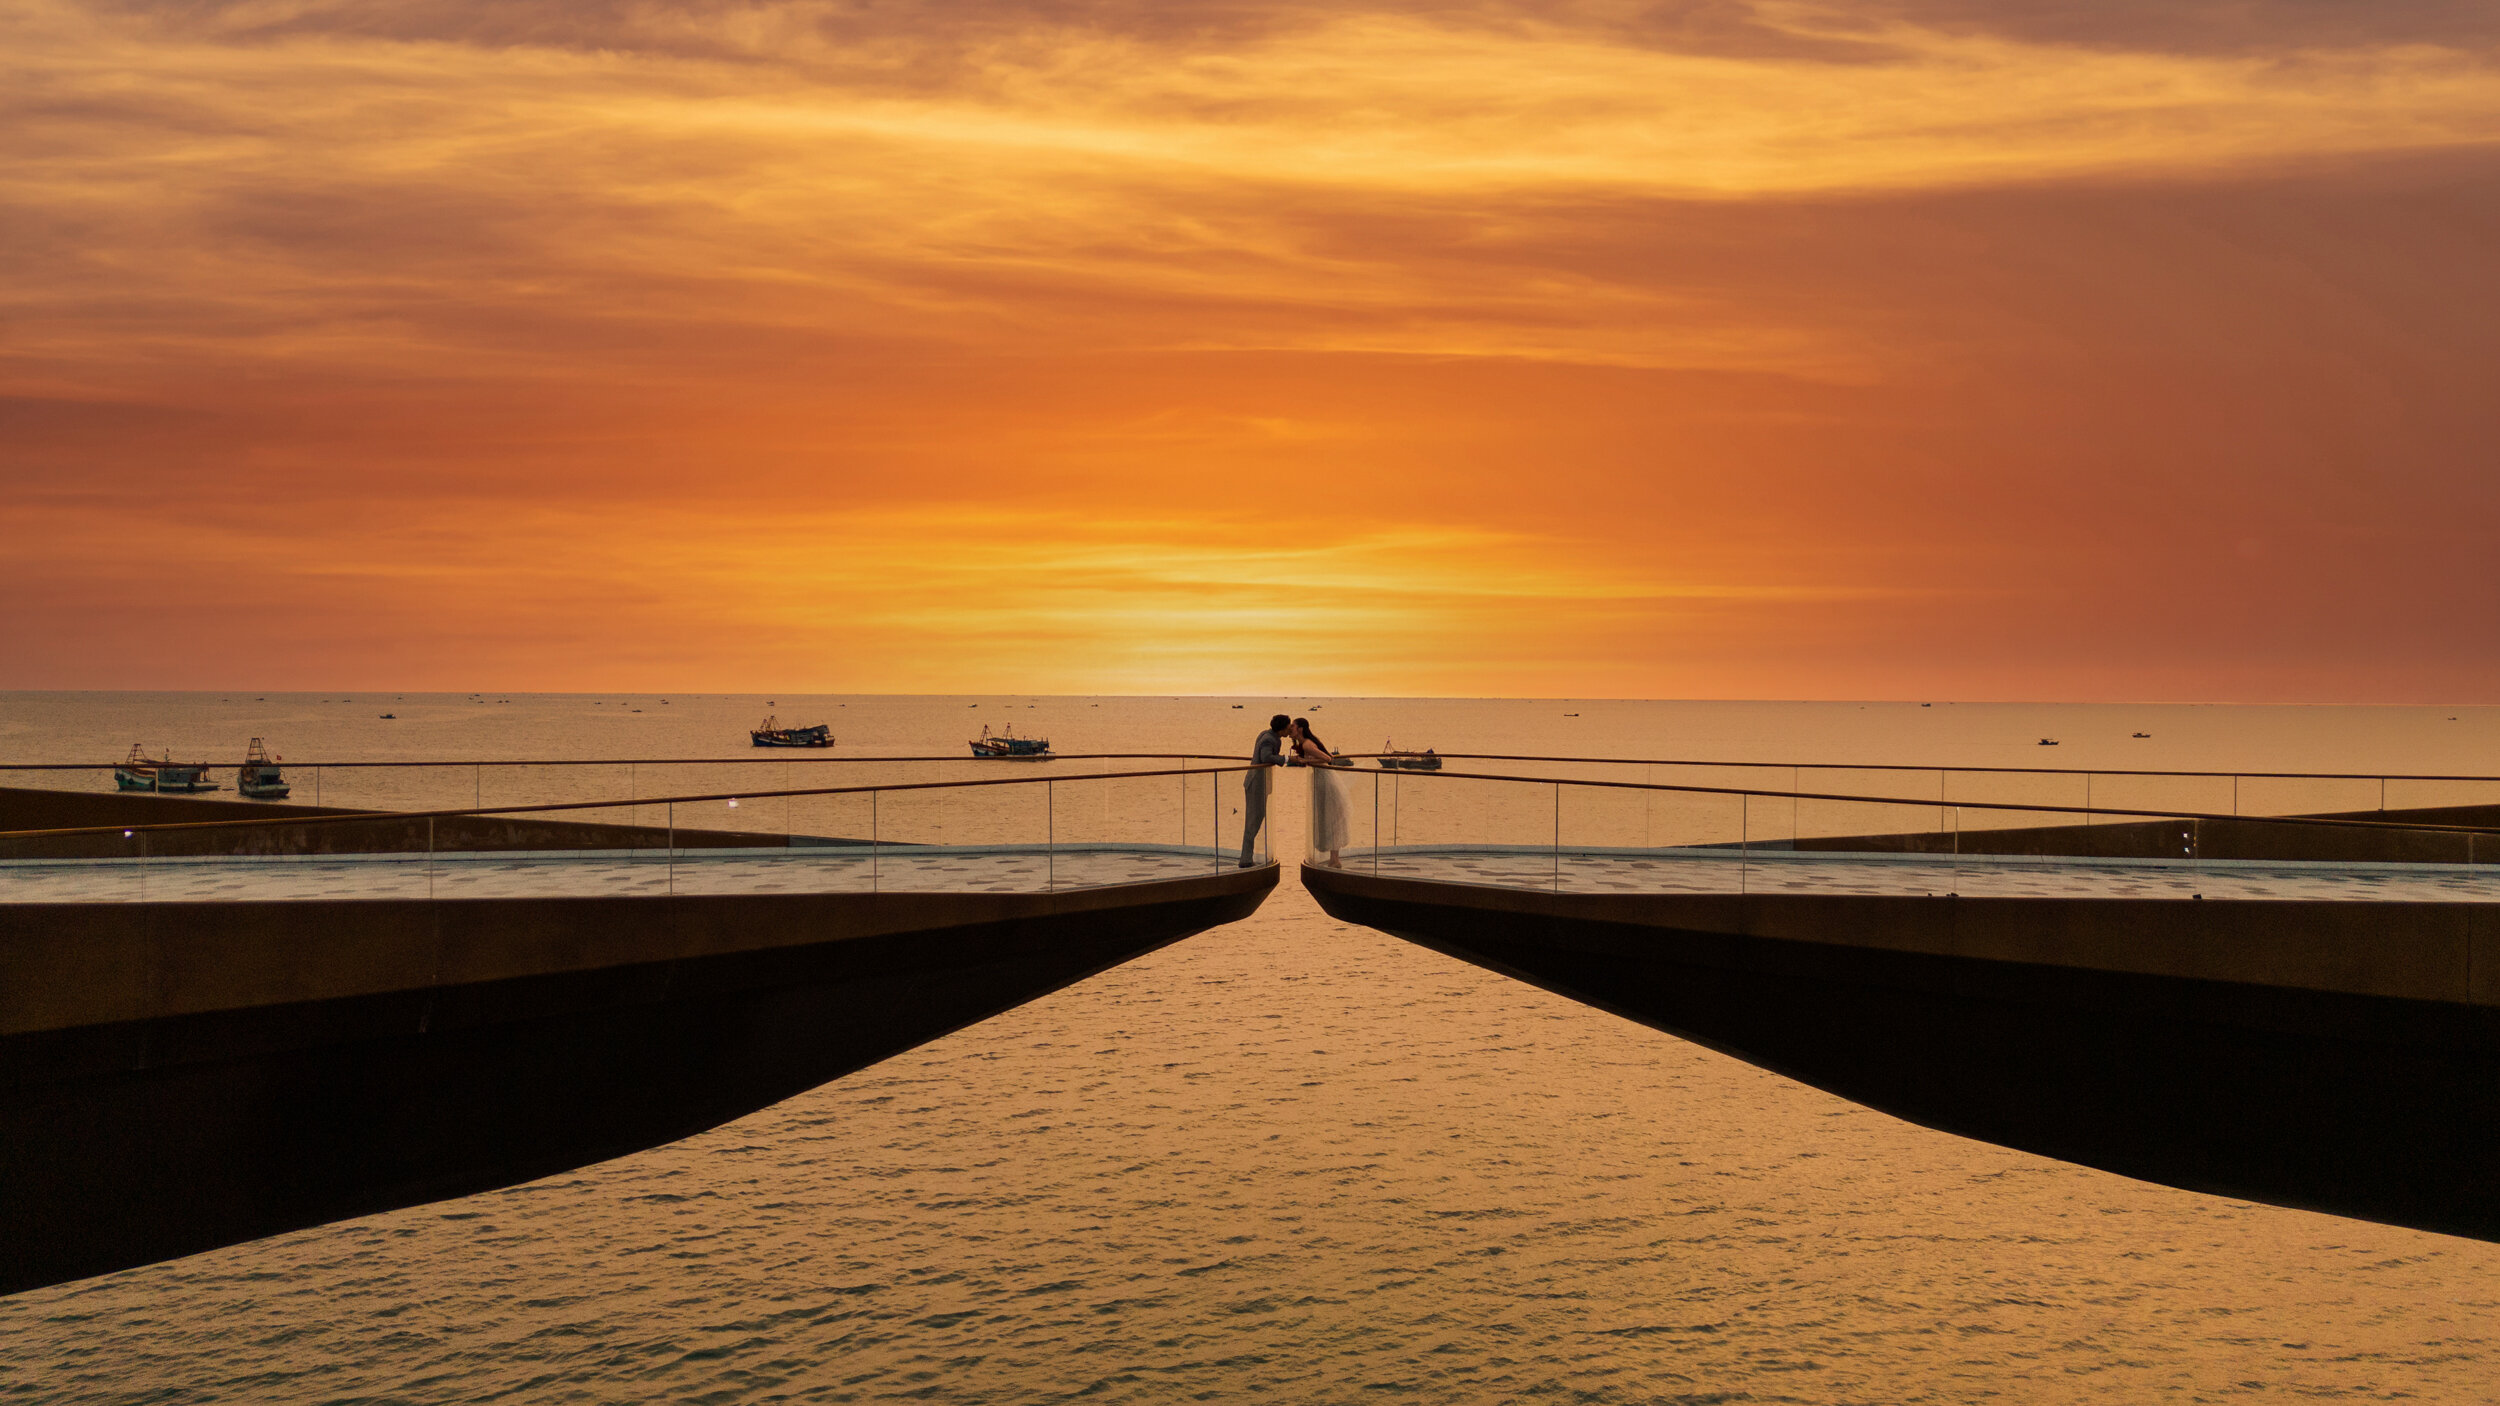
(1270, 751)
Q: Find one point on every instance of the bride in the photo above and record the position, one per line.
(1328, 806)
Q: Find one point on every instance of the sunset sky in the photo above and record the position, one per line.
(1937, 348)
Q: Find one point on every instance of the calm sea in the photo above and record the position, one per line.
(1288, 1159)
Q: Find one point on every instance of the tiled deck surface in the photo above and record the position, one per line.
(600, 874)
(1720, 871)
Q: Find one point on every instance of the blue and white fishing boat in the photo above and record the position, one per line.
(141, 772)
(1006, 746)
(259, 777)
(773, 734)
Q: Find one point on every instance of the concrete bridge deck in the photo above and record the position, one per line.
(1718, 870)
(602, 873)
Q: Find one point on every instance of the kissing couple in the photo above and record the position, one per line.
(1290, 742)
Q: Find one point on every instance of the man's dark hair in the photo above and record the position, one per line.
(1279, 723)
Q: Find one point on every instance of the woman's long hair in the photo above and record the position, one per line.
(1303, 726)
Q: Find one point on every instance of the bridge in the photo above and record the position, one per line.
(2302, 1010)
(221, 1021)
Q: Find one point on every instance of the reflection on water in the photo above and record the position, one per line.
(1294, 1159)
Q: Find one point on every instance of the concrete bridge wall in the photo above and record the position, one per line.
(2343, 1057)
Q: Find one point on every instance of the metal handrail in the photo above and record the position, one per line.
(671, 761)
(370, 816)
(1446, 756)
(1941, 804)
(1910, 766)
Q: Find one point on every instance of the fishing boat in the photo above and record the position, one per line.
(2048, 741)
(259, 777)
(773, 734)
(1391, 759)
(1006, 746)
(141, 772)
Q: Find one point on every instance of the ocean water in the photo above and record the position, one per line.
(1292, 1160)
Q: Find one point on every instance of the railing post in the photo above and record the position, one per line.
(2087, 800)
(1050, 835)
(429, 858)
(1375, 823)
(1744, 842)
(672, 847)
(477, 785)
(1557, 837)
(876, 846)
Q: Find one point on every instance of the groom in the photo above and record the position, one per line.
(1269, 751)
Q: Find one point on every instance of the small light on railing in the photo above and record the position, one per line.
(733, 803)
(125, 834)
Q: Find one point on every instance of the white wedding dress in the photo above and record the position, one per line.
(1329, 827)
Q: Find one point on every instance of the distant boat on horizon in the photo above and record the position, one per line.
(2048, 741)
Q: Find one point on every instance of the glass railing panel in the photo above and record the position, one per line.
(1112, 825)
(1430, 810)
(2412, 796)
(1614, 817)
(1200, 824)
(1901, 847)
(842, 821)
(1081, 803)
(1459, 829)
(1909, 810)
(2139, 800)
(1624, 840)
(1017, 812)
(1682, 818)
(2298, 795)
(1146, 810)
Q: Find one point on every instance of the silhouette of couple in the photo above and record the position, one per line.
(1328, 804)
